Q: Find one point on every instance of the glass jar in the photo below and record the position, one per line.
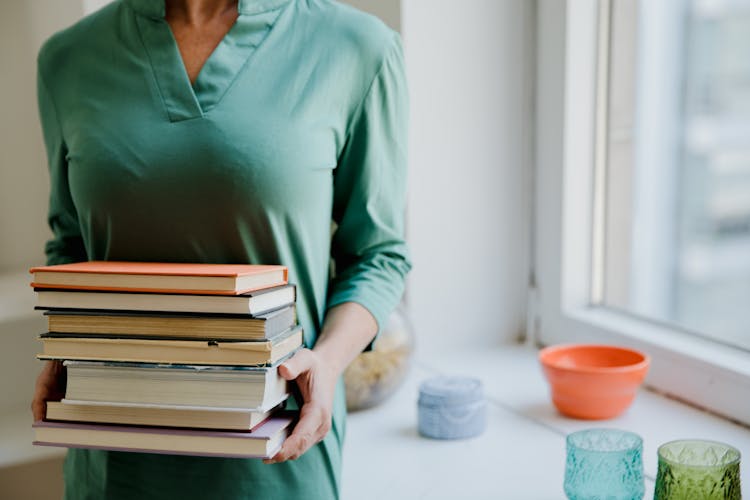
(375, 375)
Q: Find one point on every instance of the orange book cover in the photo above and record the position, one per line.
(162, 277)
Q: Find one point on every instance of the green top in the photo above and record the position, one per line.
(297, 120)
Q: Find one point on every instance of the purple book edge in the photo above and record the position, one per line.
(156, 451)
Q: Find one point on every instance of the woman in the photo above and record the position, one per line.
(217, 131)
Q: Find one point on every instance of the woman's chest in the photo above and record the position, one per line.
(246, 154)
(261, 129)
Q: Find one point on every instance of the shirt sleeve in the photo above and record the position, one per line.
(66, 244)
(368, 248)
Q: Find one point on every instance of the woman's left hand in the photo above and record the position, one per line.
(317, 383)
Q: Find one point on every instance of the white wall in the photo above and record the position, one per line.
(470, 67)
(24, 187)
(24, 25)
(387, 10)
(549, 151)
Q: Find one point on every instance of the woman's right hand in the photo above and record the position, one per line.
(50, 386)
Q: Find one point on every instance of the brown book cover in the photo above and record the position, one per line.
(108, 323)
(160, 351)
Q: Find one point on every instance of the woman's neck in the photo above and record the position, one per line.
(198, 12)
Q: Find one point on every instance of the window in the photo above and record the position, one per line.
(677, 166)
(643, 188)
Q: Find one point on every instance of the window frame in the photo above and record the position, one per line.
(705, 373)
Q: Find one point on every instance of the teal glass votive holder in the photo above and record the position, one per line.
(698, 470)
(604, 464)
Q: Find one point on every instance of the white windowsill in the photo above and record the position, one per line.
(683, 364)
(733, 360)
(520, 456)
(522, 453)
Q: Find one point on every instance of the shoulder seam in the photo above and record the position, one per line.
(358, 110)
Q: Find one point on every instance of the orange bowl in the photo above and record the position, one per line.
(593, 382)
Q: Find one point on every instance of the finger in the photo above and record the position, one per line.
(50, 386)
(293, 448)
(38, 408)
(305, 434)
(299, 363)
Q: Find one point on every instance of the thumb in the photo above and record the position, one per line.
(297, 364)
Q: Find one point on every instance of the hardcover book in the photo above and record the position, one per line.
(219, 279)
(172, 325)
(252, 388)
(186, 352)
(237, 419)
(263, 442)
(253, 303)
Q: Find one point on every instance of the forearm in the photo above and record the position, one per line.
(348, 328)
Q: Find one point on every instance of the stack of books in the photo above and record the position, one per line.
(168, 358)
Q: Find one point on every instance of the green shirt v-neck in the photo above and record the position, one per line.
(296, 120)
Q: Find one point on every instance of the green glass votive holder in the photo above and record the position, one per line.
(698, 470)
(604, 464)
